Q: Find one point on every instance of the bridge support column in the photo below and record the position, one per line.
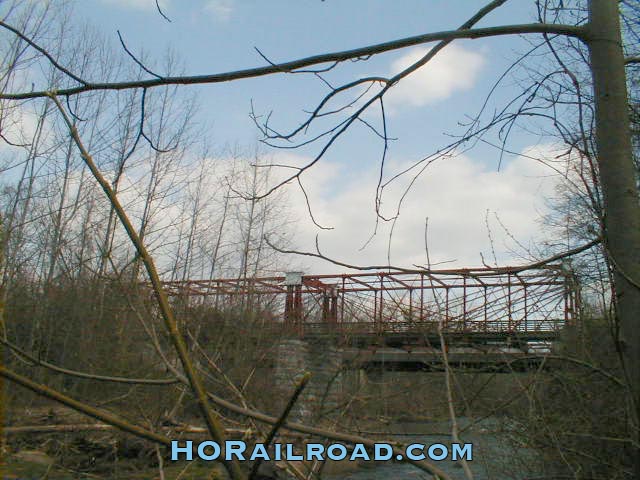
(323, 359)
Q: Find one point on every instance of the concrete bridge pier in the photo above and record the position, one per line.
(323, 359)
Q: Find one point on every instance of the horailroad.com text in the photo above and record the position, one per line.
(239, 450)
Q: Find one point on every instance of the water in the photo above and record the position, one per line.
(497, 454)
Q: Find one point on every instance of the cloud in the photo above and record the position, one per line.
(19, 124)
(459, 196)
(451, 70)
(137, 4)
(220, 9)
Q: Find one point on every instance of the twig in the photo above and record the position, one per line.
(89, 376)
(135, 59)
(44, 52)
(306, 199)
(96, 413)
(162, 14)
(445, 360)
(160, 463)
(302, 383)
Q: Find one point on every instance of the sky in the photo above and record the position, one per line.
(478, 207)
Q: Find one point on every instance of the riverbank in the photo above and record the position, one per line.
(497, 453)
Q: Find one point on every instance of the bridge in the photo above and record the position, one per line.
(492, 311)
(341, 326)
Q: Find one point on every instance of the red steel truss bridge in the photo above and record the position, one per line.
(403, 307)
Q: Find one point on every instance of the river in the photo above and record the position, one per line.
(497, 453)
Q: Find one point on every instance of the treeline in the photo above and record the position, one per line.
(64, 249)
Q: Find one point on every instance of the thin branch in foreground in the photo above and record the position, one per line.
(302, 383)
(88, 376)
(420, 269)
(338, 130)
(162, 14)
(455, 436)
(306, 199)
(93, 412)
(135, 59)
(292, 66)
(99, 427)
(213, 424)
(44, 52)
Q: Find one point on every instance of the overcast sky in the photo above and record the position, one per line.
(466, 198)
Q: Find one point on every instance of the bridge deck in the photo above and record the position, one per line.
(495, 359)
(432, 338)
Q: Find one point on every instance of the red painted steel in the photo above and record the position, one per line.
(485, 300)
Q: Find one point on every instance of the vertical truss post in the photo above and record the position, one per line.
(411, 305)
(485, 307)
(565, 295)
(333, 307)
(446, 308)
(293, 300)
(526, 308)
(326, 316)
(464, 303)
(509, 315)
(575, 292)
(422, 319)
(381, 317)
(375, 307)
(342, 302)
(288, 305)
(329, 306)
(297, 306)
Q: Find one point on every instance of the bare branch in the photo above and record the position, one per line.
(44, 52)
(162, 14)
(343, 126)
(306, 199)
(213, 424)
(292, 66)
(418, 269)
(301, 384)
(89, 376)
(135, 59)
(98, 414)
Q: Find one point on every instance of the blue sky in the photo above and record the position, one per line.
(220, 35)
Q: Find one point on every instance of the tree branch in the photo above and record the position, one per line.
(291, 66)
(302, 383)
(476, 272)
(88, 376)
(43, 51)
(84, 408)
(195, 382)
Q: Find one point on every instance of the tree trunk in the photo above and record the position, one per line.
(621, 221)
